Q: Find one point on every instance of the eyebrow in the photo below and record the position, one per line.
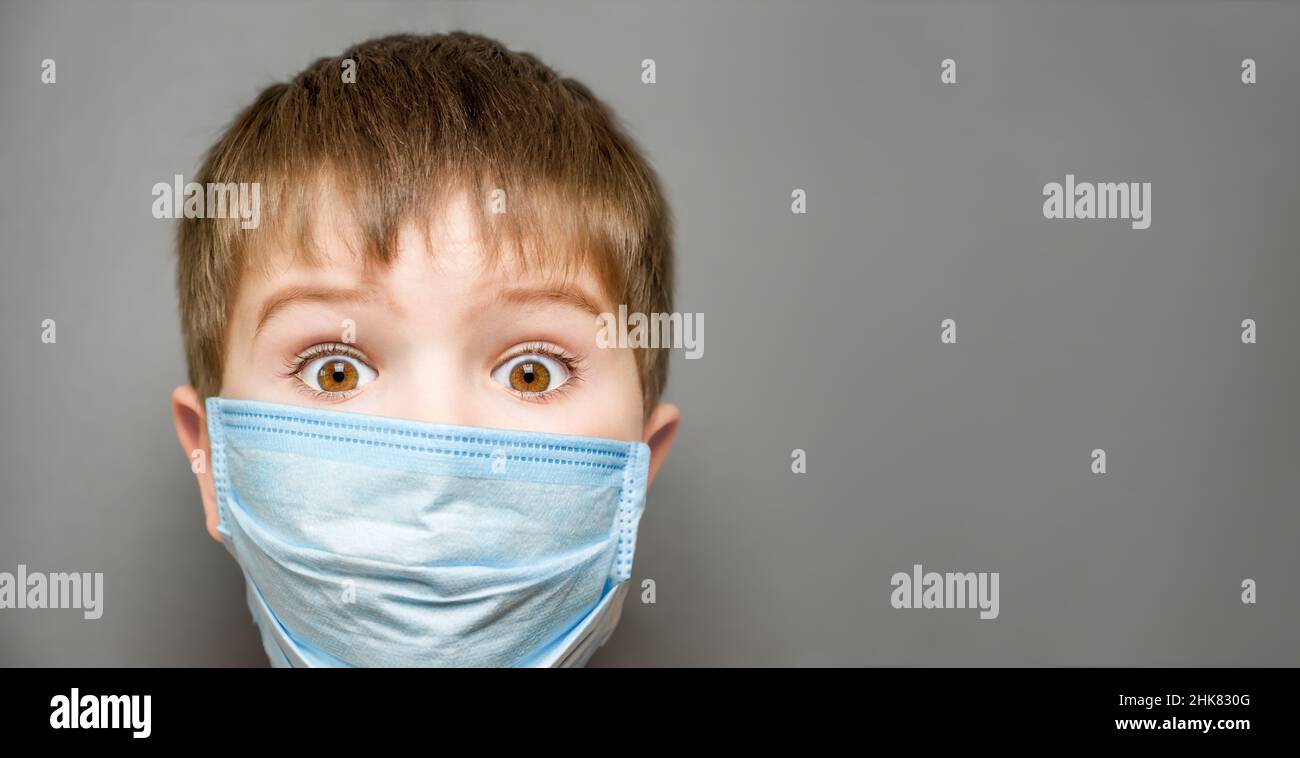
(527, 295)
(275, 304)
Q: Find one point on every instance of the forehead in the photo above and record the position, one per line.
(448, 249)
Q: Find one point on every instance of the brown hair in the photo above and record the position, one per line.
(428, 116)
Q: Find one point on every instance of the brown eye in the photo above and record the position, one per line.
(530, 376)
(337, 376)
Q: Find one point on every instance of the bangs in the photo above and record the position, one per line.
(535, 227)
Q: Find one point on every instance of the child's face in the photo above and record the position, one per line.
(440, 336)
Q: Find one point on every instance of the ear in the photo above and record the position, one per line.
(660, 431)
(192, 431)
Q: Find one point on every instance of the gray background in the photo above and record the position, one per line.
(822, 331)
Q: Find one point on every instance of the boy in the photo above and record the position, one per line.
(418, 453)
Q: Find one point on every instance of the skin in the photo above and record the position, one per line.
(441, 333)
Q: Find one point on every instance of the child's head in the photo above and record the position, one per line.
(443, 220)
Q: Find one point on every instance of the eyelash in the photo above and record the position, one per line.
(296, 364)
(572, 363)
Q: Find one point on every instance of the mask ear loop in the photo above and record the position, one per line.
(630, 506)
(217, 440)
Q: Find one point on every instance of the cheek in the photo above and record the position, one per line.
(621, 405)
(236, 372)
(247, 372)
(243, 369)
(256, 371)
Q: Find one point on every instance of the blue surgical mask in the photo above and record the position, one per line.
(374, 541)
